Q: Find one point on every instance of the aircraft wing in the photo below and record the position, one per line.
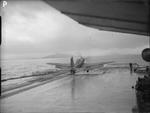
(60, 65)
(127, 16)
(91, 66)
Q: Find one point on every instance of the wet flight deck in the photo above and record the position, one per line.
(108, 91)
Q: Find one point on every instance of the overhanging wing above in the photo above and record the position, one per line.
(127, 16)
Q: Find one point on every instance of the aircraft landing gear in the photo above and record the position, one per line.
(87, 71)
(72, 71)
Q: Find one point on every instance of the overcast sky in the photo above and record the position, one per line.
(36, 28)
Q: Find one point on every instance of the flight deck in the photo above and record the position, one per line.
(107, 90)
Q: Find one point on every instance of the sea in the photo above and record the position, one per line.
(12, 68)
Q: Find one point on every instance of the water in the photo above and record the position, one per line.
(23, 67)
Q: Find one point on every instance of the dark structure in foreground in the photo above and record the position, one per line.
(143, 94)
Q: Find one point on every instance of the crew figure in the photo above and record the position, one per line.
(131, 67)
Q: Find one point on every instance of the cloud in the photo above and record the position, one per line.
(30, 27)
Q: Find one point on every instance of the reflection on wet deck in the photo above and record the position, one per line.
(109, 92)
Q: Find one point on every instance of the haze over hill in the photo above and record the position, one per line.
(126, 58)
(58, 55)
(133, 58)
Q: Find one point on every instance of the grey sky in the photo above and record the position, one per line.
(36, 28)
